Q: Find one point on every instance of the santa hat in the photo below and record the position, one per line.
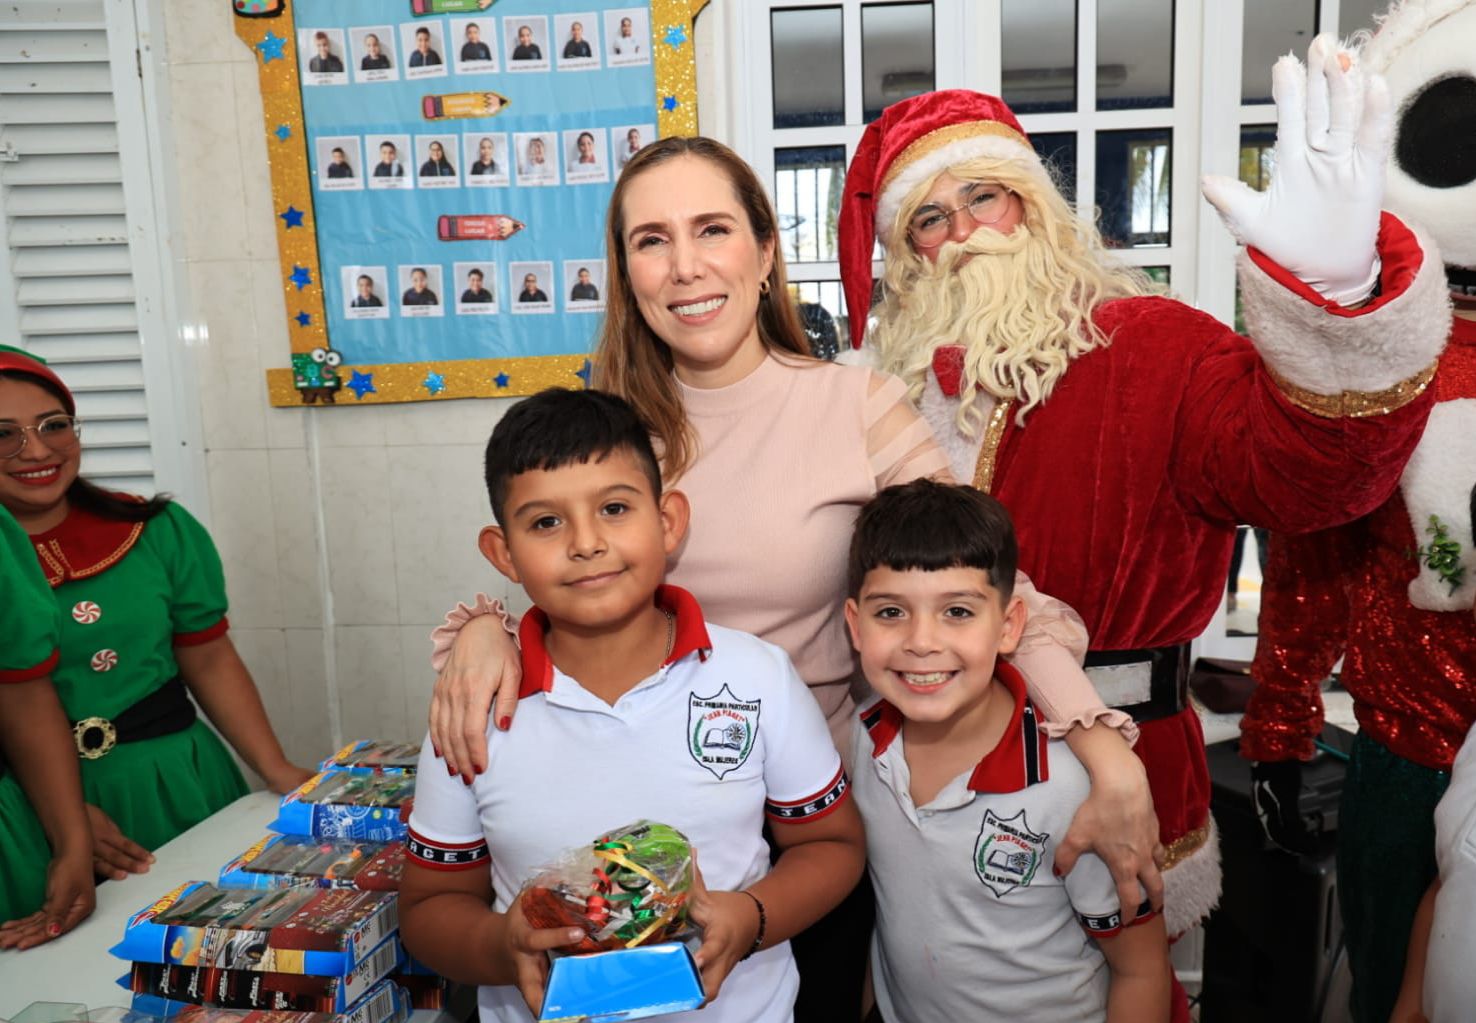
(909, 143)
(18, 360)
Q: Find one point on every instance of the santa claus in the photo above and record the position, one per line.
(1391, 593)
(1128, 434)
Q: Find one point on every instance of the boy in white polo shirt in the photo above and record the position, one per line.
(632, 707)
(964, 798)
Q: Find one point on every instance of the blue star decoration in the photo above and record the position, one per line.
(301, 276)
(293, 216)
(675, 36)
(501, 380)
(283, 132)
(583, 372)
(303, 319)
(361, 384)
(434, 383)
(670, 103)
(271, 47)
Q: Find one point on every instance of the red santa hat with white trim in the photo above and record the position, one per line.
(909, 143)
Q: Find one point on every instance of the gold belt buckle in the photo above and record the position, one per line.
(81, 730)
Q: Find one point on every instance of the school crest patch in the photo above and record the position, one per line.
(721, 730)
(1007, 852)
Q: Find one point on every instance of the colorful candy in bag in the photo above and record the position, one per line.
(629, 887)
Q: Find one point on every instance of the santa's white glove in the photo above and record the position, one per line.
(1320, 217)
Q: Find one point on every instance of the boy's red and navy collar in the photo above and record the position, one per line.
(690, 636)
(1017, 761)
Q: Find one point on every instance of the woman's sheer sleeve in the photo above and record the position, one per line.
(1050, 655)
(443, 636)
(899, 442)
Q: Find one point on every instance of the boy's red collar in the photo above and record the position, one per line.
(690, 636)
(1017, 761)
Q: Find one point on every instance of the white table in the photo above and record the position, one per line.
(77, 967)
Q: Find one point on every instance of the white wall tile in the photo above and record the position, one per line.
(433, 423)
(357, 493)
(244, 530)
(198, 32)
(369, 668)
(232, 388)
(211, 197)
(418, 678)
(295, 519)
(309, 735)
(261, 218)
(265, 654)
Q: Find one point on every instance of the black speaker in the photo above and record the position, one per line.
(1273, 947)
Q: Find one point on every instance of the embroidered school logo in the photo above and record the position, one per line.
(1007, 852)
(721, 729)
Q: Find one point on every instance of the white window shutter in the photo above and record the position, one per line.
(68, 277)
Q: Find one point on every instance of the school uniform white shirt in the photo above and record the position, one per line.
(1450, 983)
(722, 734)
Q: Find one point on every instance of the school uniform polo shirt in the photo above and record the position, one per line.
(971, 922)
(722, 734)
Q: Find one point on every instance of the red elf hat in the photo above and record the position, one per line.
(19, 360)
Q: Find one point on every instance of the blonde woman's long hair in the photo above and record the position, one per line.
(1020, 304)
(630, 359)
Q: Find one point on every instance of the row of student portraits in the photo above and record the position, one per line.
(421, 289)
(425, 49)
(476, 159)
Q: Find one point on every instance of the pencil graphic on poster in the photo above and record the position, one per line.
(463, 104)
(477, 227)
(423, 7)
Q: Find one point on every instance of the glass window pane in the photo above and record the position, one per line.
(896, 54)
(1058, 150)
(1273, 28)
(1135, 54)
(1257, 155)
(1356, 14)
(809, 67)
(1134, 178)
(1038, 46)
(807, 192)
(1158, 274)
(822, 312)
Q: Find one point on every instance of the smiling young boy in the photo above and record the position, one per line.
(964, 798)
(631, 707)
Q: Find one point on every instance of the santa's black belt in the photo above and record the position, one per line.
(164, 711)
(1146, 684)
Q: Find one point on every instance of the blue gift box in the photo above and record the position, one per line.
(341, 804)
(630, 983)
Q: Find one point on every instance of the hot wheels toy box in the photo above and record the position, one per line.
(630, 983)
(342, 804)
(288, 861)
(374, 756)
(323, 933)
(384, 1003)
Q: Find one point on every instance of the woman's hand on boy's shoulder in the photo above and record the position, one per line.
(525, 949)
(729, 922)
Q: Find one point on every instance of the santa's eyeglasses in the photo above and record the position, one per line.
(986, 203)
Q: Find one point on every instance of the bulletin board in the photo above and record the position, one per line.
(440, 174)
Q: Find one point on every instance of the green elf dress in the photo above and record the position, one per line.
(128, 594)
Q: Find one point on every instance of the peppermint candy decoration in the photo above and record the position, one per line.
(85, 612)
(105, 660)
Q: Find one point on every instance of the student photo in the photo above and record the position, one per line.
(478, 282)
(527, 43)
(474, 52)
(536, 158)
(628, 32)
(584, 156)
(374, 56)
(424, 45)
(389, 169)
(529, 284)
(628, 141)
(420, 291)
(579, 35)
(435, 167)
(485, 159)
(321, 53)
(584, 282)
(339, 164)
(364, 288)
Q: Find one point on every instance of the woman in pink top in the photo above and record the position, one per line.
(777, 451)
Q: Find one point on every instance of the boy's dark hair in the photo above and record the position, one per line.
(932, 526)
(559, 427)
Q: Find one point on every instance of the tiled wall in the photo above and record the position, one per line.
(346, 533)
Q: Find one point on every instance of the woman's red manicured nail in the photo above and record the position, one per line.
(53, 928)
(504, 722)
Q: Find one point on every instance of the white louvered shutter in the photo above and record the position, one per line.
(68, 281)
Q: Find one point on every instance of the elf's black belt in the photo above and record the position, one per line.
(1146, 684)
(163, 712)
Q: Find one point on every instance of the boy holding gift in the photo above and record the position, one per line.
(964, 798)
(633, 707)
